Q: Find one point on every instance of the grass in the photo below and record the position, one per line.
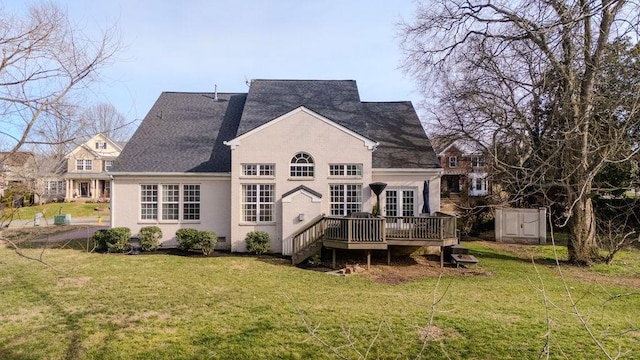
(160, 306)
(76, 210)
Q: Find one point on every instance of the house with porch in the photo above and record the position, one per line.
(293, 158)
(464, 168)
(86, 176)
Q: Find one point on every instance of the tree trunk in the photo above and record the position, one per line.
(582, 246)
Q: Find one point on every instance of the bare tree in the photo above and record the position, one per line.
(45, 63)
(526, 80)
(104, 118)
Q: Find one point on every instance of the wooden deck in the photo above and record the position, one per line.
(376, 233)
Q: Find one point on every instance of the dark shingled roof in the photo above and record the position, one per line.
(403, 142)
(337, 100)
(185, 132)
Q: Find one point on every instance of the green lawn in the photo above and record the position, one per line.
(75, 209)
(159, 306)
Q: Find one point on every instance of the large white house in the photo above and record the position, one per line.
(274, 159)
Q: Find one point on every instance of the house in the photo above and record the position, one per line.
(16, 168)
(464, 168)
(278, 159)
(87, 169)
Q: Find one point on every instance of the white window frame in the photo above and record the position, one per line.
(477, 161)
(170, 202)
(149, 202)
(108, 164)
(254, 170)
(101, 145)
(345, 199)
(258, 203)
(345, 170)
(191, 202)
(404, 205)
(453, 161)
(302, 166)
(53, 187)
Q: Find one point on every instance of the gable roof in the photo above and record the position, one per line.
(337, 100)
(18, 158)
(403, 141)
(86, 146)
(186, 132)
(465, 147)
(370, 144)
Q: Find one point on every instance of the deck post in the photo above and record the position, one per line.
(441, 256)
(388, 256)
(333, 258)
(368, 259)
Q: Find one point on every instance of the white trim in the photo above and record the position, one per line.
(165, 174)
(235, 142)
(314, 198)
(85, 145)
(400, 171)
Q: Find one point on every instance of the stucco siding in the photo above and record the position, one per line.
(277, 144)
(402, 179)
(214, 206)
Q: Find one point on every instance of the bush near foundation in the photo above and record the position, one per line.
(113, 240)
(257, 242)
(193, 239)
(150, 238)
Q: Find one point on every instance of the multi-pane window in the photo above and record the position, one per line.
(170, 202)
(84, 164)
(191, 202)
(400, 202)
(258, 170)
(101, 145)
(149, 202)
(453, 161)
(477, 161)
(302, 165)
(345, 169)
(345, 199)
(52, 187)
(107, 165)
(258, 202)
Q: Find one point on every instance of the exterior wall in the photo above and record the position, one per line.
(214, 206)
(297, 211)
(277, 144)
(411, 179)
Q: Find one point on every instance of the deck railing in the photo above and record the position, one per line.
(355, 229)
(309, 234)
(422, 227)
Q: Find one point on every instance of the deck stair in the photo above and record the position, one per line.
(308, 241)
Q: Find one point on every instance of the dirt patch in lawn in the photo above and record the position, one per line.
(414, 267)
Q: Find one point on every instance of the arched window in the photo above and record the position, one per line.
(302, 165)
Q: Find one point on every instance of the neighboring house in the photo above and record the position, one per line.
(17, 168)
(87, 169)
(274, 159)
(464, 168)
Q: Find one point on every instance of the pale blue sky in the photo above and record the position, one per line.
(192, 45)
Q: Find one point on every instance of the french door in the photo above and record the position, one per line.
(400, 202)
